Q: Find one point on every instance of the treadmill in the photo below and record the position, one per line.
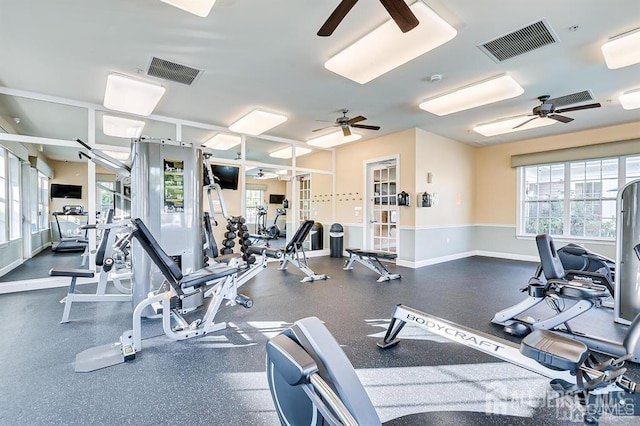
(78, 241)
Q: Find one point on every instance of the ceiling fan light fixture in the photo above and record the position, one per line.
(121, 127)
(333, 139)
(485, 92)
(387, 47)
(257, 122)
(223, 141)
(129, 95)
(199, 8)
(622, 50)
(286, 153)
(507, 125)
(630, 99)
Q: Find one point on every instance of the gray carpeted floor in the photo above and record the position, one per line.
(220, 379)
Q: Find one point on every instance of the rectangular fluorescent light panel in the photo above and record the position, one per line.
(386, 47)
(199, 8)
(257, 122)
(121, 127)
(507, 125)
(333, 139)
(623, 50)
(482, 93)
(130, 95)
(286, 152)
(223, 141)
(282, 172)
(118, 155)
(630, 99)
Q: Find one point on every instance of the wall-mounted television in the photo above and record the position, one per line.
(276, 198)
(227, 176)
(66, 191)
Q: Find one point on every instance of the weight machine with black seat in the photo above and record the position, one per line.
(371, 260)
(294, 253)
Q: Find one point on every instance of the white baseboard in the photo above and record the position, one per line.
(10, 267)
(511, 256)
(40, 284)
(435, 260)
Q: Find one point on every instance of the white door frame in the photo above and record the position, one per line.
(368, 196)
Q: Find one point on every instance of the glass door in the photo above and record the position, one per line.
(383, 208)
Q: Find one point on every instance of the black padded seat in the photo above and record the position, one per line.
(79, 273)
(205, 275)
(577, 290)
(373, 253)
(554, 350)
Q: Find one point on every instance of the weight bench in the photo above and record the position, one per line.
(106, 262)
(294, 253)
(371, 259)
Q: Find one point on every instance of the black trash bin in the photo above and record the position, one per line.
(336, 240)
(316, 236)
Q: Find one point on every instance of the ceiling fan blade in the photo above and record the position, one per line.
(364, 126)
(525, 122)
(322, 128)
(336, 17)
(357, 119)
(560, 118)
(346, 131)
(578, 108)
(401, 14)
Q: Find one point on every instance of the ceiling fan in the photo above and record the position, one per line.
(546, 109)
(398, 9)
(345, 123)
(261, 174)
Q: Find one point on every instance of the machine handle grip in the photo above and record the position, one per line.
(83, 144)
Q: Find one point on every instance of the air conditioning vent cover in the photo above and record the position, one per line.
(172, 71)
(573, 98)
(520, 41)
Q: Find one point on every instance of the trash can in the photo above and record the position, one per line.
(336, 240)
(316, 236)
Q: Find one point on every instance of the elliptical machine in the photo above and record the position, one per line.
(261, 220)
(274, 230)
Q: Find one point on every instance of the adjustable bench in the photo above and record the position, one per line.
(371, 259)
(103, 260)
(294, 253)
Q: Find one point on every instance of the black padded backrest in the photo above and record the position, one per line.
(551, 264)
(167, 266)
(102, 246)
(299, 236)
(212, 250)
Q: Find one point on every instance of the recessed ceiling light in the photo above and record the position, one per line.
(282, 172)
(333, 139)
(386, 47)
(121, 127)
(482, 93)
(197, 7)
(507, 125)
(286, 152)
(223, 141)
(630, 99)
(130, 95)
(257, 122)
(622, 50)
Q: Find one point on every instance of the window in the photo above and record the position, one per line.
(574, 199)
(15, 212)
(3, 196)
(254, 199)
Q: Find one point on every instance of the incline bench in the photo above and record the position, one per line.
(371, 259)
(295, 248)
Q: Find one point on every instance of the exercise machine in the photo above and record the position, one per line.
(588, 289)
(202, 291)
(274, 230)
(371, 260)
(76, 238)
(294, 253)
(312, 381)
(107, 260)
(627, 301)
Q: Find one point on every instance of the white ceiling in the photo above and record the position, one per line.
(258, 53)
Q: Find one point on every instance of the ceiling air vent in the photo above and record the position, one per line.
(574, 98)
(172, 71)
(520, 41)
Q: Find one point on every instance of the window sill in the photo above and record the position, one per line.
(565, 239)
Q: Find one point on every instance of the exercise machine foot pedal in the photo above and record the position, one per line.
(517, 329)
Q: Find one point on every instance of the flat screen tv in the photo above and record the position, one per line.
(227, 176)
(66, 191)
(276, 198)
